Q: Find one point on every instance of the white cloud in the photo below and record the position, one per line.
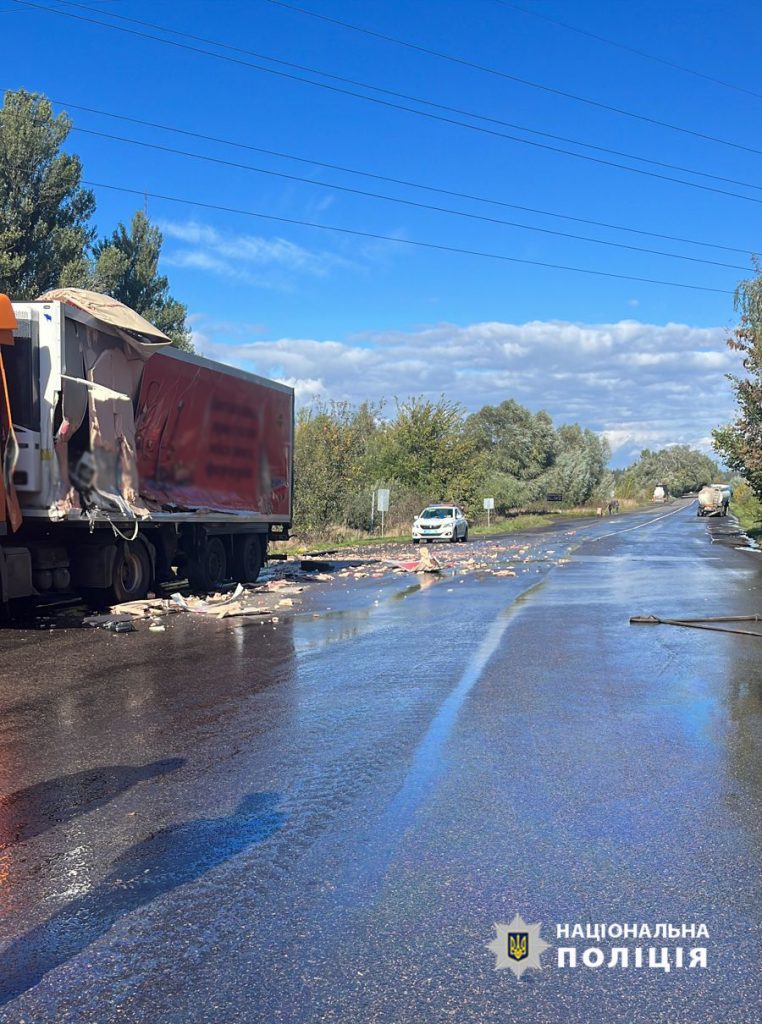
(265, 262)
(639, 384)
(305, 390)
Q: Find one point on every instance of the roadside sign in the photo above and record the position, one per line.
(554, 497)
(382, 504)
(489, 504)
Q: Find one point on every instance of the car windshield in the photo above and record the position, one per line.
(436, 513)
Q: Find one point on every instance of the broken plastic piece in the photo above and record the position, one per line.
(98, 391)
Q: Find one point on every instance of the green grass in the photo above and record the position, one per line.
(749, 512)
(523, 522)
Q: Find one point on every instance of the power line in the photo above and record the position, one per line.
(630, 49)
(394, 105)
(405, 202)
(408, 241)
(504, 74)
(580, 156)
(398, 181)
(387, 92)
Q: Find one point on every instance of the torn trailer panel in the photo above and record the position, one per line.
(72, 384)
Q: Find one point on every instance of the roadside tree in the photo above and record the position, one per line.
(331, 466)
(426, 450)
(740, 443)
(44, 210)
(126, 266)
(516, 441)
(579, 466)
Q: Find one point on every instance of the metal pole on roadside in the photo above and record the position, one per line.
(383, 505)
(489, 504)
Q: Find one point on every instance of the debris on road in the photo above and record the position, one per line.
(426, 563)
(282, 582)
(219, 606)
(712, 623)
(113, 623)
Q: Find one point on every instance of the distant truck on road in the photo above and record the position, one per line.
(124, 460)
(713, 500)
(661, 494)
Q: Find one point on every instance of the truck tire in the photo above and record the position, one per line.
(210, 568)
(248, 558)
(132, 573)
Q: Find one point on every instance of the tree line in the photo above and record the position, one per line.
(679, 468)
(425, 451)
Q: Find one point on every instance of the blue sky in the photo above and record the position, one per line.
(350, 317)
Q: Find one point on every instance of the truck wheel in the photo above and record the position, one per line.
(210, 569)
(248, 554)
(132, 573)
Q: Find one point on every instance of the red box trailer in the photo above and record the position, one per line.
(213, 437)
(129, 461)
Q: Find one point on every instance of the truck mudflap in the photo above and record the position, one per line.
(15, 573)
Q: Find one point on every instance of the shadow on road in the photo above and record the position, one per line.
(36, 809)
(157, 865)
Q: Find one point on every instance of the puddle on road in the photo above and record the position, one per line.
(379, 610)
(678, 559)
(729, 533)
(427, 765)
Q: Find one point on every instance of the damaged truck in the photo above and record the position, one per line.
(127, 463)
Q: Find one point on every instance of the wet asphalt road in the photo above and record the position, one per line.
(321, 819)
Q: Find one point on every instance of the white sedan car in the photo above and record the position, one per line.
(440, 522)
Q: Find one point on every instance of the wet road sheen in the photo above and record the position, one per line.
(322, 818)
